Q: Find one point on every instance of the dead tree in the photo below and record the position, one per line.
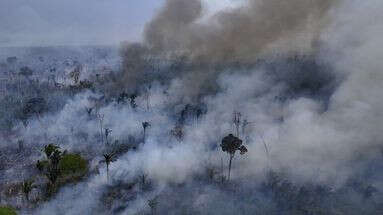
(145, 125)
(89, 110)
(222, 175)
(237, 122)
(245, 124)
(147, 97)
(107, 133)
(101, 120)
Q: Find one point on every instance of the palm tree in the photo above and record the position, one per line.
(145, 125)
(89, 110)
(50, 149)
(108, 158)
(153, 204)
(230, 144)
(52, 175)
(27, 188)
(55, 159)
(54, 155)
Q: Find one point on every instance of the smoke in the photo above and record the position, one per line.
(245, 33)
(199, 48)
(316, 118)
(323, 140)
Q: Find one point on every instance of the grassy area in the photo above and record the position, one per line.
(4, 210)
(72, 163)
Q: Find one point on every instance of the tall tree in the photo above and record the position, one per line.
(132, 99)
(50, 149)
(153, 203)
(107, 133)
(237, 122)
(101, 120)
(108, 158)
(230, 144)
(27, 188)
(54, 156)
(89, 110)
(145, 125)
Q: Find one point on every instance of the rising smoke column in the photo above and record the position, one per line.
(236, 36)
(245, 33)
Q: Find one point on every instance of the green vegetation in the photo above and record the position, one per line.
(62, 163)
(51, 149)
(5, 210)
(42, 165)
(72, 163)
(61, 168)
(27, 188)
(54, 155)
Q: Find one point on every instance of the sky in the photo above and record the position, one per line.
(73, 22)
(78, 22)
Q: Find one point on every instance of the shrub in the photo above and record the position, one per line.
(4, 210)
(42, 165)
(72, 163)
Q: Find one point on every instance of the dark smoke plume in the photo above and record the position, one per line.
(240, 34)
(199, 49)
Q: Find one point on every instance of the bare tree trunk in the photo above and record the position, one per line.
(102, 136)
(267, 152)
(222, 177)
(107, 172)
(230, 161)
(148, 101)
(144, 135)
(26, 198)
(101, 118)
(143, 179)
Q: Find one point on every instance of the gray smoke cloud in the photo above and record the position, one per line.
(242, 34)
(232, 37)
